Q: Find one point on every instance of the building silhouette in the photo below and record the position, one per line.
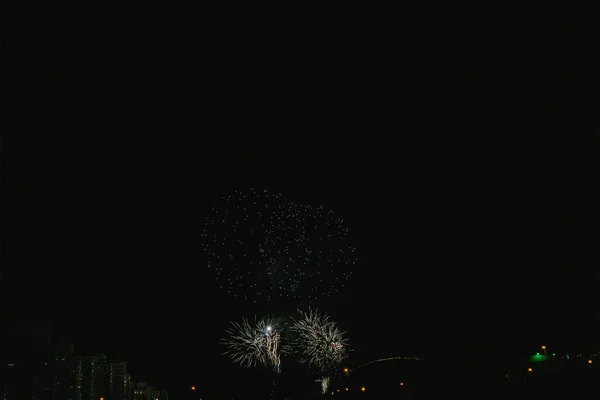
(90, 377)
(34, 367)
(117, 380)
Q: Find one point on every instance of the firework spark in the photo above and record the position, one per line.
(324, 384)
(318, 341)
(251, 344)
(262, 247)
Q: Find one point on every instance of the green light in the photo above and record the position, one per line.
(538, 358)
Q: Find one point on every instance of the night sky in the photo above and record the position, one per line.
(447, 161)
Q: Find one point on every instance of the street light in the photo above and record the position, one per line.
(589, 361)
(363, 389)
(529, 369)
(544, 348)
(193, 388)
(401, 383)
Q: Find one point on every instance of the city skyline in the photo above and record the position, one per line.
(49, 369)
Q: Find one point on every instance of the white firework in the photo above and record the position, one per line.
(319, 341)
(324, 384)
(261, 247)
(254, 344)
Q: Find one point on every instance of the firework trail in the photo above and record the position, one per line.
(251, 344)
(324, 384)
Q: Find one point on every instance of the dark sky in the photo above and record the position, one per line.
(447, 158)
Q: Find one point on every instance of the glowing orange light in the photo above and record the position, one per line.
(401, 383)
(345, 369)
(346, 389)
(529, 369)
(543, 347)
(589, 361)
(363, 389)
(332, 393)
(193, 387)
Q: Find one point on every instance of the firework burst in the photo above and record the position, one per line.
(261, 247)
(318, 341)
(259, 343)
(314, 339)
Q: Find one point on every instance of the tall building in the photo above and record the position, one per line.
(24, 351)
(127, 387)
(90, 378)
(62, 376)
(60, 373)
(118, 380)
(44, 372)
